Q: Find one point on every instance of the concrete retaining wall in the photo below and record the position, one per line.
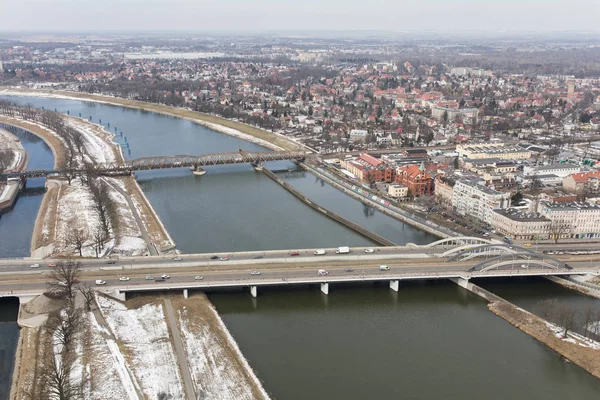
(397, 215)
(336, 217)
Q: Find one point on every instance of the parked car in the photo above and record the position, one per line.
(177, 258)
(527, 244)
(255, 273)
(124, 278)
(52, 265)
(369, 251)
(35, 265)
(198, 278)
(149, 278)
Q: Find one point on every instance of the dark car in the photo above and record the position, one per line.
(111, 261)
(294, 253)
(257, 257)
(159, 279)
(214, 258)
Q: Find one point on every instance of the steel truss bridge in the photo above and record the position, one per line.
(167, 162)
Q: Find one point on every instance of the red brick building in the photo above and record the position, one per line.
(419, 182)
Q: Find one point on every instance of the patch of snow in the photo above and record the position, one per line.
(573, 337)
(213, 376)
(145, 335)
(95, 147)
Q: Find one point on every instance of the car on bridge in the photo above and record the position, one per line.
(294, 253)
(257, 257)
(226, 258)
(369, 251)
(214, 258)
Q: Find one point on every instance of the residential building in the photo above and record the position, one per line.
(358, 135)
(417, 179)
(588, 182)
(397, 191)
(369, 168)
(444, 189)
(477, 200)
(572, 220)
(520, 225)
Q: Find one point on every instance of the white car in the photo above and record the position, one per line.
(124, 278)
(255, 273)
(224, 258)
(369, 251)
(61, 283)
(165, 276)
(177, 258)
(100, 282)
(35, 265)
(198, 278)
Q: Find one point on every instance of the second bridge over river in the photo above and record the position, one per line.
(168, 162)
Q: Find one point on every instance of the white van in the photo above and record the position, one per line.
(384, 268)
(319, 252)
(322, 272)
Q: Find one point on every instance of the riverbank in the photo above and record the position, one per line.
(237, 129)
(10, 190)
(581, 351)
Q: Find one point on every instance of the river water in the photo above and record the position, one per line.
(16, 224)
(429, 341)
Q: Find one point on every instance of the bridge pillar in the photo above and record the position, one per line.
(198, 171)
(254, 291)
(462, 282)
(394, 285)
(185, 293)
(325, 288)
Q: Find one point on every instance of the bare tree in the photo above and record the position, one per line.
(103, 204)
(6, 159)
(66, 324)
(77, 238)
(88, 295)
(589, 314)
(565, 318)
(556, 229)
(55, 378)
(63, 278)
(99, 237)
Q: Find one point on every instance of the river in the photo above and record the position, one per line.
(429, 341)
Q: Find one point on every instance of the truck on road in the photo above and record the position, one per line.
(343, 250)
(384, 268)
(319, 252)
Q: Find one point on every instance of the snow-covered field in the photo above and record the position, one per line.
(145, 341)
(97, 149)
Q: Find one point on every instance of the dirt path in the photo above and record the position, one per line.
(188, 384)
(136, 215)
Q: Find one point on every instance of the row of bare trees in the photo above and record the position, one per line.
(585, 320)
(63, 328)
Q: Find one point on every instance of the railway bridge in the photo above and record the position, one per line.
(167, 162)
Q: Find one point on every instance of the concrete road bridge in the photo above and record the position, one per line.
(252, 272)
(168, 162)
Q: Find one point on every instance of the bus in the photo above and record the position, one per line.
(508, 240)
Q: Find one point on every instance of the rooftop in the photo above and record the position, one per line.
(523, 216)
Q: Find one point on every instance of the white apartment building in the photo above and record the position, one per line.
(573, 220)
(398, 191)
(476, 200)
(358, 135)
(520, 225)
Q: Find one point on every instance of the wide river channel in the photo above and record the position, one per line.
(428, 341)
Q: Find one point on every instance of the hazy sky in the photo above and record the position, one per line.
(397, 15)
